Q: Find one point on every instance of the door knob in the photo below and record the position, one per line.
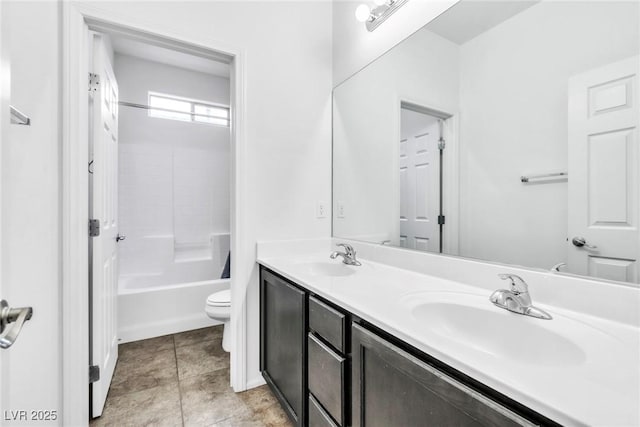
(120, 237)
(581, 242)
(11, 322)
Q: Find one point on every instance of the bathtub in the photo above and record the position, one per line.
(170, 296)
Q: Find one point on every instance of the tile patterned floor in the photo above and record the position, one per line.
(183, 380)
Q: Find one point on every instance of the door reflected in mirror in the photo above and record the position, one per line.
(421, 150)
(501, 131)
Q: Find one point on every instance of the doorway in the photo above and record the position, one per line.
(159, 187)
(81, 20)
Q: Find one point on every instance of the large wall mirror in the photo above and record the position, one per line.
(505, 131)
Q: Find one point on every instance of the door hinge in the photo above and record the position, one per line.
(441, 219)
(94, 82)
(94, 227)
(441, 144)
(94, 373)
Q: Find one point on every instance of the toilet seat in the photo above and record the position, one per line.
(220, 299)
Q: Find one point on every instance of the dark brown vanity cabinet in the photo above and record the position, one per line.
(283, 337)
(328, 370)
(393, 388)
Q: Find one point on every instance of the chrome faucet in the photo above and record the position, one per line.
(348, 256)
(517, 299)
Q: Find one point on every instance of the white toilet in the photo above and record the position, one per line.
(219, 308)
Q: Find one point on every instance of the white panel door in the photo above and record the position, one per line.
(104, 110)
(603, 172)
(419, 181)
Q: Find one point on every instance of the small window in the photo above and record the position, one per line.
(211, 114)
(188, 110)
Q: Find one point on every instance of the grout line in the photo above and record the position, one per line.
(175, 352)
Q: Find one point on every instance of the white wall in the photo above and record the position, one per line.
(173, 175)
(287, 49)
(354, 46)
(367, 131)
(31, 244)
(513, 88)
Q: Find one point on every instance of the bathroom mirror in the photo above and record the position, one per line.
(503, 131)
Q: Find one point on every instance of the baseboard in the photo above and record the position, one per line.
(256, 382)
(166, 327)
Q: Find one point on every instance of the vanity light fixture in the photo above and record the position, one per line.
(374, 17)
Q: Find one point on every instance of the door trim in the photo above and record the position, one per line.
(76, 20)
(5, 87)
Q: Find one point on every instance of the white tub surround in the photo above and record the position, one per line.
(587, 374)
(158, 257)
(166, 294)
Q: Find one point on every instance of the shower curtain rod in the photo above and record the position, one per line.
(168, 110)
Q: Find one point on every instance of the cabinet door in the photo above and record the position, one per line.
(283, 342)
(326, 377)
(393, 388)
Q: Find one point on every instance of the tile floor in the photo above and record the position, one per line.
(183, 380)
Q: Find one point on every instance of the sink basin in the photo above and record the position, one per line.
(329, 269)
(473, 321)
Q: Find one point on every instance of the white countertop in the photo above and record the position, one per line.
(598, 387)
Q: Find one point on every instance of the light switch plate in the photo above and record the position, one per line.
(321, 209)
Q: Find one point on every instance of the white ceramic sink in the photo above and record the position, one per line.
(327, 269)
(473, 321)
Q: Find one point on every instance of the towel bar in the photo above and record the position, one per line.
(527, 178)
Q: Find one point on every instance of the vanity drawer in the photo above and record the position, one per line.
(329, 323)
(318, 416)
(326, 370)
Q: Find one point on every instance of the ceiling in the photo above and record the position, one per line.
(470, 18)
(126, 46)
